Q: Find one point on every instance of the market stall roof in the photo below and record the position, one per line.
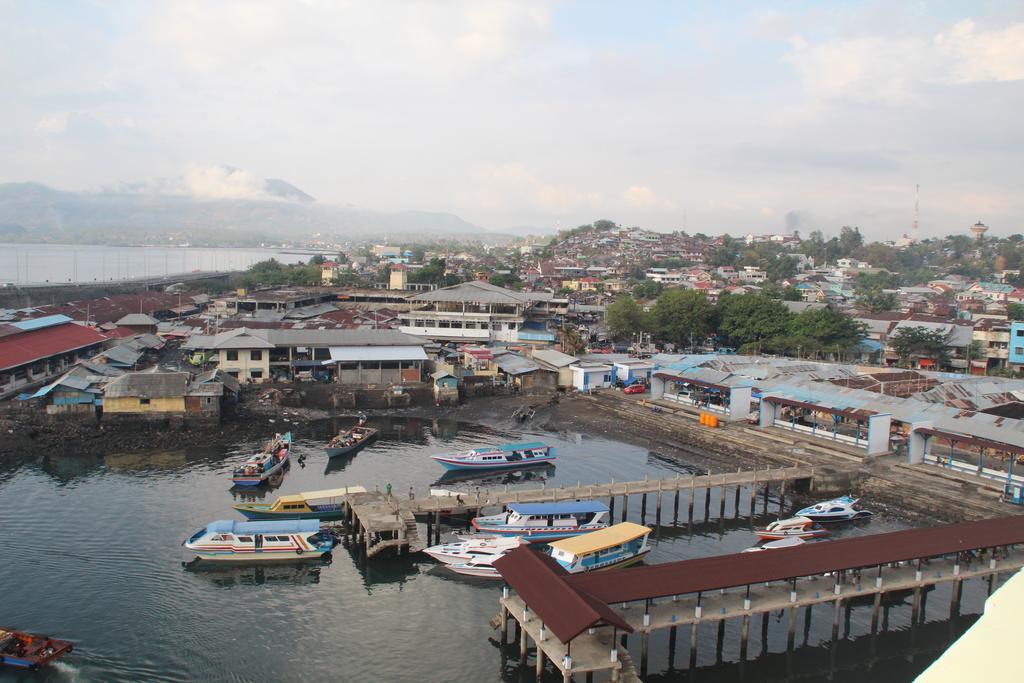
(353, 354)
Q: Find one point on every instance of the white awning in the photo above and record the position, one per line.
(353, 354)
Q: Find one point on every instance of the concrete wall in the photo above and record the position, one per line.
(133, 404)
(244, 364)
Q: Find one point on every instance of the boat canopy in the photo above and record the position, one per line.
(793, 521)
(316, 495)
(520, 446)
(558, 508)
(601, 539)
(284, 526)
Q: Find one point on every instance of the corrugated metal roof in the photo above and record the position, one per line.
(514, 364)
(137, 319)
(148, 385)
(742, 569)
(41, 323)
(554, 358)
(37, 344)
(476, 292)
(351, 354)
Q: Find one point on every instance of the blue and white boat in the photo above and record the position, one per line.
(498, 457)
(538, 522)
(230, 541)
(615, 546)
(840, 509)
(261, 466)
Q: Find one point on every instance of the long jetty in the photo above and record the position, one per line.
(379, 522)
(576, 621)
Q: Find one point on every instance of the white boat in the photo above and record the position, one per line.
(481, 567)
(545, 521)
(618, 545)
(230, 541)
(498, 457)
(471, 548)
(790, 542)
(840, 509)
(799, 527)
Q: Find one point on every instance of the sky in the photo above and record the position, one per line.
(707, 117)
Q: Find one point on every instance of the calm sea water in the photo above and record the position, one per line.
(91, 553)
(41, 263)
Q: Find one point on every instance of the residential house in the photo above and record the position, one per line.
(34, 352)
(558, 363)
(161, 394)
(589, 375)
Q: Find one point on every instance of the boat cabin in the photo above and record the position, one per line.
(555, 514)
(605, 548)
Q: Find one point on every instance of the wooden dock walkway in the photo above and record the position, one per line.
(597, 651)
(380, 522)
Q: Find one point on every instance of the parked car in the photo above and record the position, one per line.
(635, 389)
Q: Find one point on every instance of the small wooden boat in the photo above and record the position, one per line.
(230, 541)
(615, 546)
(789, 542)
(350, 440)
(842, 509)
(29, 651)
(799, 527)
(498, 457)
(537, 522)
(261, 466)
(326, 504)
(472, 548)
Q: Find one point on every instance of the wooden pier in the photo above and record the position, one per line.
(379, 522)
(589, 640)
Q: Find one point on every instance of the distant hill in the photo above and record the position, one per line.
(131, 213)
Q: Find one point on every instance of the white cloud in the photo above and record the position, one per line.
(645, 199)
(894, 69)
(53, 123)
(222, 182)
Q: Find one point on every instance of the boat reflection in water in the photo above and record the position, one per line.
(516, 475)
(252, 494)
(258, 574)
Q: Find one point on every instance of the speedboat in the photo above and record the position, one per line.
(326, 504)
(789, 542)
(615, 546)
(498, 457)
(230, 541)
(29, 651)
(261, 466)
(799, 527)
(840, 509)
(481, 567)
(545, 521)
(472, 548)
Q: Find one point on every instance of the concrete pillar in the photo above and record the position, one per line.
(671, 647)
(625, 505)
(693, 645)
(690, 505)
(721, 500)
(675, 507)
(611, 508)
(540, 662)
(835, 619)
(736, 502)
(917, 446)
(807, 623)
(643, 508)
(645, 638)
(657, 508)
(707, 501)
(767, 490)
(954, 600)
(523, 641)
(504, 624)
(791, 632)
(744, 636)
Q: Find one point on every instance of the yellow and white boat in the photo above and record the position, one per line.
(326, 504)
(615, 546)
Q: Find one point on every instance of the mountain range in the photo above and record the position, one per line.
(270, 210)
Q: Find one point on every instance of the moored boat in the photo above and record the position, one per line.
(537, 522)
(326, 504)
(351, 440)
(261, 466)
(618, 545)
(471, 548)
(28, 650)
(481, 567)
(230, 541)
(498, 457)
(798, 527)
(842, 509)
(788, 542)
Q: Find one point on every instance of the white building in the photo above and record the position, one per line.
(588, 375)
(480, 312)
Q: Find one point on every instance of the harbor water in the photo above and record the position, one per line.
(34, 264)
(92, 554)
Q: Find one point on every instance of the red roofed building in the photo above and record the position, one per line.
(33, 352)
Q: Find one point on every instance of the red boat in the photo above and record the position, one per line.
(28, 651)
(798, 527)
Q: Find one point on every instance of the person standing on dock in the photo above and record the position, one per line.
(387, 490)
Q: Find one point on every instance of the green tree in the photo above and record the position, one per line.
(1015, 311)
(683, 316)
(647, 289)
(876, 300)
(624, 317)
(826, 328)
(751, 317)
(919, 342)
(792, 294)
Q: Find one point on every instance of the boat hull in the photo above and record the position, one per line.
(611, 564)
(262, 555)
(536, 535)
(36, 650)
(333, 452)
(765, 535)
(248, 481)
(482, 572)
(848, 517)
(255, 513)
(455, 464)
